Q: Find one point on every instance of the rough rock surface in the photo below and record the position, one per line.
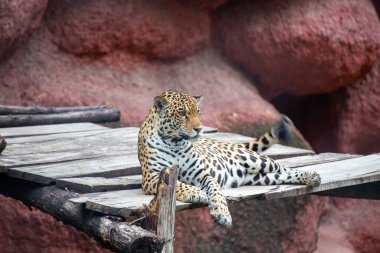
(17, 20)
(284, 225)
(299, 47)
(29, 230)
(158, 29)
(41, 74)
(123, 53)
(343, 121)
(358, 110)
(354, 223)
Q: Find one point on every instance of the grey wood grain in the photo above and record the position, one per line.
(99, 184)
(49, 129)
(102, 115)
(121, 165)
(334, 175)
(305, 160)
(351, 171)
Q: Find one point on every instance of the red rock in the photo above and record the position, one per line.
(158, 29)
(283, 225)
(30, 230)
(17, 20)
(344, 121)
(299, 47)
(42, 74)
(357, 222)
(357, 108)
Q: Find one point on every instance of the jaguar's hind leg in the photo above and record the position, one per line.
(256, 166)
(309, 178)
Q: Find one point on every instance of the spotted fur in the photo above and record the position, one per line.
(171, 135)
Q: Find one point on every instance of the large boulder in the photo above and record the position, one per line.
(343, 121)
(157, 29)
(24, 229)
(299, 47)
(357, 108)
(42, 74)
(17, 20)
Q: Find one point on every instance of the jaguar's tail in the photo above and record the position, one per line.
(280, 132)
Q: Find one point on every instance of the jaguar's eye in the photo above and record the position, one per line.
(181, 112)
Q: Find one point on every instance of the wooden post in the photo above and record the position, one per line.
(161, 210)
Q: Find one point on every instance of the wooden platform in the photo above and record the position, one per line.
(102, 164)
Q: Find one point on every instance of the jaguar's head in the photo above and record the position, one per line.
(178, 115)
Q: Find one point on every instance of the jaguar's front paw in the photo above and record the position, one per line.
(221, 215)
(312, 178)
(200, 198)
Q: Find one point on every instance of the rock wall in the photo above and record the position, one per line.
(317, 61)
(25, 229)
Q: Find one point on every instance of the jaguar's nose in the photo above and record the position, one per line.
(197, 129)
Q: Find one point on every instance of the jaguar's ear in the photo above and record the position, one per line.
(198, 98)
(160, 102)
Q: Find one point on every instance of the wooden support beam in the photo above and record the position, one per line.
(108, 230)
(160, 214)
(101, 115)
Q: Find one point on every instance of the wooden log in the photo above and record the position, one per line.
(161, 210)
(17, 110)
(95, 116)
(108, 230)
(3, 144)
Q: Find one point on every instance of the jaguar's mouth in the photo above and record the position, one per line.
(190, 138)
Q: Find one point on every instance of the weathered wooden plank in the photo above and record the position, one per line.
(278, 151)
(337, 174)
(334, 174)
(102, 115)
(306, 160)
(55, 137)
(118, 165)
(229, 137)
(97, 144)
(99, 184)
(127, 202)
(121, 165)
(73, 141)
(123, 203)
(91, 140)
(47, 136)
(10, 132)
